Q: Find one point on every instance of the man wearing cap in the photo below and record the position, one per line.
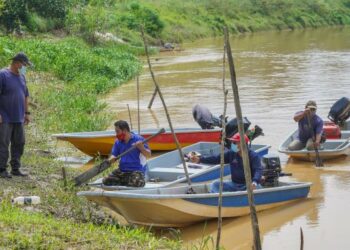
(234, 158)
(14, 113)
(305, 132)
(132, 169)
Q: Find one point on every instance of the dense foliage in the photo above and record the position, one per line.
(168, 20)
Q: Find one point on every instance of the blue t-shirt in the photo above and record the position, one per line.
(236, 165)
(304, 130)
(13, 91)
(134, 160)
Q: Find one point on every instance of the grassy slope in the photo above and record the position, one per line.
(66, 83)
(84, 72)
(201, 18)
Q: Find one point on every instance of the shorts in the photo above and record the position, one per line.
(130, 179)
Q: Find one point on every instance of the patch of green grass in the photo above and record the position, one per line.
(32, 230)
(85, 73)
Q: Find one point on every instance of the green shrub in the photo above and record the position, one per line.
(139, 15)
(14, 13)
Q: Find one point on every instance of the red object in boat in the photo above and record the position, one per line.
(331, 130)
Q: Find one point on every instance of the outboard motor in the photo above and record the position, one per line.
(205, 118)
(271, 170)
(340, 111)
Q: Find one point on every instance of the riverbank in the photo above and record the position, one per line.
(69, 77)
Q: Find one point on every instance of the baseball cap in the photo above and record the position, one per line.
(311, 104)
(21, 57)
(236, 138)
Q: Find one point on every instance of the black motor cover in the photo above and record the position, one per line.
(232, 126)
(340, 111)
(271, 169)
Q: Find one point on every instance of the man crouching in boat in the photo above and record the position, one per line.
(132, 166)
(310, 128)
(234, 158)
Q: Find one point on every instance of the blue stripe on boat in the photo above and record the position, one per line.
(260, 198)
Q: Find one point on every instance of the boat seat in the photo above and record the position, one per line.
(170, 174)
(345, 134)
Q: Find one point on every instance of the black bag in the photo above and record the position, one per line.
(340, 111)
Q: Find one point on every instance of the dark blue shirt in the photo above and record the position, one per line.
(304, 130)
(236, 165)
(134, 160)
(13, 91)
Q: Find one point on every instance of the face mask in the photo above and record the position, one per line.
(23, 70)
(121, 137)
(234, 148)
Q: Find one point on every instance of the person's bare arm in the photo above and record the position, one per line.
(300, 115)
(146, 152)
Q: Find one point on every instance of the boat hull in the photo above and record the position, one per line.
(101, 142)
(171, 210)
(331, 149)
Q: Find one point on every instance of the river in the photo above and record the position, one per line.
(277, 72)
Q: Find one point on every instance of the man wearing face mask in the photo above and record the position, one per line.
(234, 158)
(14, 113)
(132, 166)
(305, 133)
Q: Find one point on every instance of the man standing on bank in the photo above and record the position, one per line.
(14, 114)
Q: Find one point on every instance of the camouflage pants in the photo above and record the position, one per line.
(130, 179)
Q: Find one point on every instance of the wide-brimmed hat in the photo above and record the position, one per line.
(21, 57)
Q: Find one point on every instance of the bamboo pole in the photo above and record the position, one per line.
(138, 103)
(301, 239)
(190, 189)
(247, 172)
(129, 116)
(222, 158)
(152, 98)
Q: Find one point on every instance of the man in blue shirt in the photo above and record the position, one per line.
(132, 166)
(14, 113)
(234, 158)
(307, 137)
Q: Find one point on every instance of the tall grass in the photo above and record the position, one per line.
(85, 72)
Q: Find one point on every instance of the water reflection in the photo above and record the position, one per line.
(277, 72)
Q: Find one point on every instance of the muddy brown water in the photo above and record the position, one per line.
(277, 72)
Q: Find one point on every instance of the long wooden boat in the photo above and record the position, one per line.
(332, 148)
(167, 169)
(173, 207)
(100, 142)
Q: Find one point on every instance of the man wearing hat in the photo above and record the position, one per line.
(309, 137)
(234, 158)
(14, 113)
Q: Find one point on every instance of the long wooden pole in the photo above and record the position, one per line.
(129, 115)
(318, 161)
(152, 98)
(247, 172)
(138, 104)
(222, 157)
(190, 189)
